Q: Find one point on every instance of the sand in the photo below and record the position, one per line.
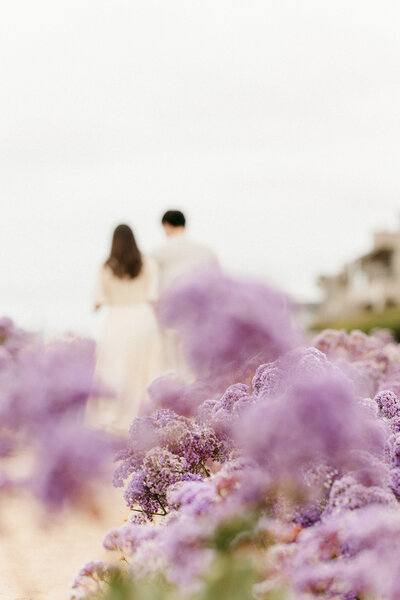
(39, 556)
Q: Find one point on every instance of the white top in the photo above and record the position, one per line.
(114, 290)
(180, 255)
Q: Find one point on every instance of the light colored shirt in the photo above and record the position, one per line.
(179, 255)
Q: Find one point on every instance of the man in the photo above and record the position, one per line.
(180, 254)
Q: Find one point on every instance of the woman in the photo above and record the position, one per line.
(130, 351)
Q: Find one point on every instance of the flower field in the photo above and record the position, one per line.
(274, 473)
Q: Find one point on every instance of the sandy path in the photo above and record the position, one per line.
(38, 561)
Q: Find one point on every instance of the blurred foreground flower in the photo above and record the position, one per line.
(44, 387)
(314, 422)
(228, 325)
(269, 469)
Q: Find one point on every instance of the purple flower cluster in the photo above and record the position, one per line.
(180, 544)
(128, 538)
(372, 362)
(194, 497)
(228, 326)
(44, 388)
(148, 487)
(67, 461)
(388, 404)
(92, 580)
(46, 381)
(315, 422)
(350, 555)
(221, 415)
(300, 443)
(303, 445)
(163, 450)
(348, 494)
(173, 393)
(353, 346)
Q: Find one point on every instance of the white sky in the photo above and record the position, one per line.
(274, 125)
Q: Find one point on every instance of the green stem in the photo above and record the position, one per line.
(205, 470)
(161, 504)
(146, 512)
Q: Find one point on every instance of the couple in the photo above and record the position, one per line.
(131, 351)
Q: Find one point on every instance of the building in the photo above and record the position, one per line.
(370, 282)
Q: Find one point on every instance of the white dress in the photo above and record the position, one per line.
(130, 353)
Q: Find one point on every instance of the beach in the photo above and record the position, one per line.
(40, 557)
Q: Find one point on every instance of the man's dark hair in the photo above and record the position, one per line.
(176, 218)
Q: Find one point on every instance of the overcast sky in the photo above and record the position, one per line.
(274, 125)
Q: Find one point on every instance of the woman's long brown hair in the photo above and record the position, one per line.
(125, 259)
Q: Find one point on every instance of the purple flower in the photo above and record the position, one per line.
(303, 363)
(164, 449)
(44, 387)
(308, 515)
(353, 346)
(145, 433)
(129, 537)
(221, 415)
(148, 487)
(228, 325)
(392, 384)
(138, 495)
(393, 449)
(5, 358)
(384, 335)
(394, 481)
(268, 380)
(205, 410)
(170, 392)
(46, 382)
(91, 569)
(233, 394)
(371, 406)
(92, 580)
(348, 554)
(303, 445)
(186, 549)
(348, 494)
(311, 423)
(394, 424)
(193, 497)
(68, 458)
(388, 404)
(372, 362)
(8, 443)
